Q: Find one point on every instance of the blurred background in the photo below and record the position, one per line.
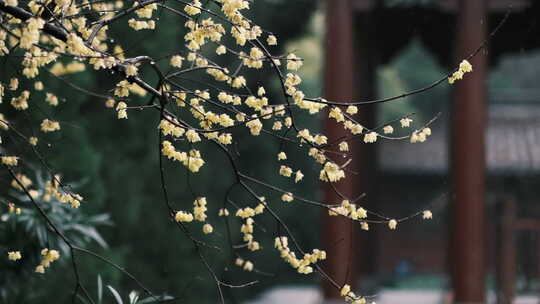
(478, 172)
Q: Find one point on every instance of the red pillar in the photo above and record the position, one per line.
(338, 232)
(468, 166)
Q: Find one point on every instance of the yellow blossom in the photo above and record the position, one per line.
(21, 102)
(271, 40)
(287, 197)
(131, 70)
(405, 122)
(49, 125)
(184, 217)
(331, 172)
(10, 160)
(427, 215)
(192, 136)
(285, 171)
(220, 50)
(364, 226)
(14, 255)
(38, 85)
(207, 228)
(121, 109)
(352, 110)
(248, 266)
(345, 290)
(193, 8)
(176, 61)
(13, 84)
(298, 176)
(370, 137)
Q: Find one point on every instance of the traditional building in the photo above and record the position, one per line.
(480, 152)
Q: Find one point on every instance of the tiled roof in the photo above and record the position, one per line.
(512, 145)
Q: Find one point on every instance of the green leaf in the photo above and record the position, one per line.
(115, 294)
(99, 288)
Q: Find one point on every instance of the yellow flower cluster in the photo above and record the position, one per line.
(23, 179)
(255, 58)
(247, 230)
(49, 125)
(171, 128)
(13, 84)
(255, 127)
(285, 171)
(192, 161)
(122, 88)
(199, 209)
(349, 296)
(121, 109)
(317, 155)
(58, 69)
(293, 62)
(247, 265)
(193, 8)
(51, 99)
(349, 210)
(184, 217)
(405, 122)
(354, 128)
(301, 265)
(249, 212)
(336, 114)
(287, 197)
(388, 130)
(256, 103)
(30, 33)
(34, 59)
(131, 70)
(52, 189)
(14, 255)
(331, 172)
(370, 137)
(145, 11)
(464, 67)
(200, 33)
(207, 228)
(420, 136)
(352, 110)
(13, 209)
(10, 160)
(76, 46)
(48, 256)
(192, 136)
(21, 102)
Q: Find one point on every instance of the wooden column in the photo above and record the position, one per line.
(506, 251)
(467, 159)
(338, 232)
